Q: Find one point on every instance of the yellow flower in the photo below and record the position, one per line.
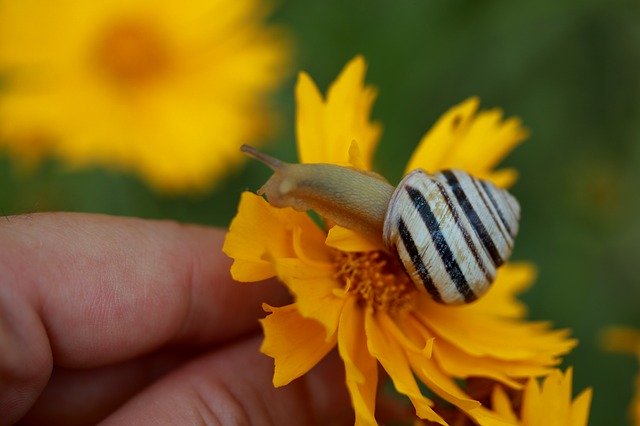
(550, 405)
(167, 89)
(627, 341)
(350, 294)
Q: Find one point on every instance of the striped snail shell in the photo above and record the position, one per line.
(450, 230)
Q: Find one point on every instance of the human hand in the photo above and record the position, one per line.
(136, 321)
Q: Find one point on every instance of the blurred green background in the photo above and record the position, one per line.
(569, 69)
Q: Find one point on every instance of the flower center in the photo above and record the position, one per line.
(377, 279)
(132, 52)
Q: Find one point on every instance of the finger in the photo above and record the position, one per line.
(233, 386)
(87, 396)
(89, 290)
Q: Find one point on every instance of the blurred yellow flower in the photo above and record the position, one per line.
(549, 405)
(353, 295)
(626, 341)
(167, 89)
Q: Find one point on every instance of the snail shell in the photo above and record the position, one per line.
(451, 231)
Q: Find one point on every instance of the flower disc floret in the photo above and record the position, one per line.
(132, 53)
(377, 279)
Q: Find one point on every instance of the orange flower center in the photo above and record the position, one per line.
(377, 279)
(132, 52)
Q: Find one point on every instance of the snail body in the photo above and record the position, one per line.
(450, 230)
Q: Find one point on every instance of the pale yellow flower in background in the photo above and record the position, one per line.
(353, 295)
(626, 340)
(549, 405)
(166, 89)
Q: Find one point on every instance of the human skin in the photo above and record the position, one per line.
(139, 322)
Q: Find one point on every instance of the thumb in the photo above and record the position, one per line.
(233, 386)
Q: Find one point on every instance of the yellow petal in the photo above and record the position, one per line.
(500, 301)
(556, 397)
(326, 130)
(444, 386)
(622, 340)
(429, 373)
(295, 343)
(314, 291)
(345, 239)
(627, 341)
(487, 141)
(486, 417)
(483, 335)
(260, 232)
(501, 404)
(459, 364)
(435, 147)
(552, 405)
(384, 347)
(531, 404)
(355, 156)
(580, 408)
(314, 255)
(349, 104)
(402, 330)
(361, 368)
(503, 178)
(635, 404)
(475, 142)
(310, 131)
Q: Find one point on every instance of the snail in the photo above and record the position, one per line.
(450, 230)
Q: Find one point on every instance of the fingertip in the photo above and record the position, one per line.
(220, 308)
(25, 357)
